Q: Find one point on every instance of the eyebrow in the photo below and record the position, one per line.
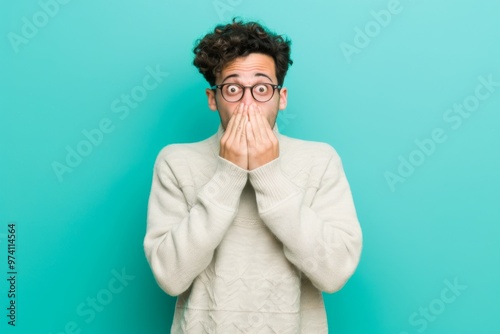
(256, 75)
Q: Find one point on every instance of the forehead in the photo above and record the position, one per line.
(253, 65)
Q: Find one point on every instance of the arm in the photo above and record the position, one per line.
(181, 237)
(322, 239)
(180, 240)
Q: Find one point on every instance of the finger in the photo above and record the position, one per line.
(226, 135)
(262, 125)
(268, 127)
(227, 132)
(250, 138)
(237, 115)
(255, 125)
(242, 125)
(230, 124)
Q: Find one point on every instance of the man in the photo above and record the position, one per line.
(249, 226)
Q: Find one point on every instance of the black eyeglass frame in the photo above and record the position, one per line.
(215, 87)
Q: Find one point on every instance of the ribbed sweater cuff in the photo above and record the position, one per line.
(271, 185)
(225, 187)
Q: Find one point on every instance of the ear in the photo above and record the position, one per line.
(212, 104)
(283, 98)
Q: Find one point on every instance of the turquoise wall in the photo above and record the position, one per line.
(408, 92)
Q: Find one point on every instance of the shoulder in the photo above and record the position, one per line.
(186, 153)
(307, 163)
(309, 151)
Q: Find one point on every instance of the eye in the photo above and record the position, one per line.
(261, 89)
(233, 89)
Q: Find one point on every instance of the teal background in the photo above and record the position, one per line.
(441, 224)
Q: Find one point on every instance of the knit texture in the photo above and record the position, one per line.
(250, 252)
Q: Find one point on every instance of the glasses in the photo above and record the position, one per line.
(261, 92)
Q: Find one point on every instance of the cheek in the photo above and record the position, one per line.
(271, 115)
(225, 115)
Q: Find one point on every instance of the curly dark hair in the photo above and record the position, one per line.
(238, 39)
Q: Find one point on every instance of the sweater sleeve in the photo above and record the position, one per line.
(181, 237)
(322, 239)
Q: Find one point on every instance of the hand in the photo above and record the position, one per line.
(233, 144)
(262, 144)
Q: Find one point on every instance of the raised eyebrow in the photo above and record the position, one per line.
(237, 76)
(263, 75)
(229, 77)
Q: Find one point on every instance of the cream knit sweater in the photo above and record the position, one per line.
(250, 252)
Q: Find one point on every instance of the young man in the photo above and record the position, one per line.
(249, 226)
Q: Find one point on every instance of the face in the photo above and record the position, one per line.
(248, 71)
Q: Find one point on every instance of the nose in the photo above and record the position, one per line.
(247, 96)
